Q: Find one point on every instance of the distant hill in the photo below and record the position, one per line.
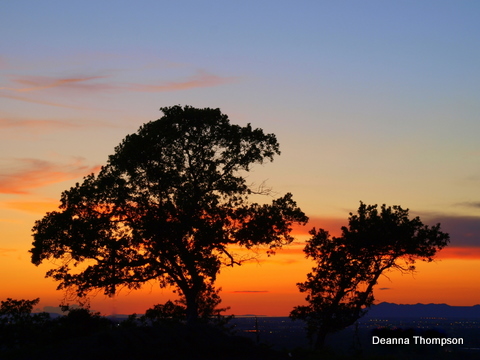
(390, 310)
(382, 310)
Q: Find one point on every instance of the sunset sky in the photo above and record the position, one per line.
(377, 101)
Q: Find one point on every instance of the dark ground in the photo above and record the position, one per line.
(276, 339)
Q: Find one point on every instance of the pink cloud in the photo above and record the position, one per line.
(37, 84)
(87, 83)
(34, 83)
(201, 79)
(28, 85)
(38, 101)
(28, 174)
(40, 125)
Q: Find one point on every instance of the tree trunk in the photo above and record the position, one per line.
(320, 340)
(192, 307)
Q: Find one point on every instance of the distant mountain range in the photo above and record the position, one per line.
(387, 310)
(390, 310)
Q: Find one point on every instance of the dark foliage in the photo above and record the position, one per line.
(17, 323)
(82, 334)
(170, 312)
(80, 321)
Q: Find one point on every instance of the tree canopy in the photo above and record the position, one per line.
(340, 287)
(167, 206)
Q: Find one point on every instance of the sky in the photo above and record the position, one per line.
(371, 101)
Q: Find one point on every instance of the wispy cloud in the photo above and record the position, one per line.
(471, 204)
(199, 80)
(250, 291)
(32, 89)
(89, 83)
(44, 125)
(38, 101)
(456, 252)
(6, 251)
(35, 83)
(23, 174)
(464, 230)
(37, 89)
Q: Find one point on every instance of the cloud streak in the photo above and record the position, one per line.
(200, 80)
(27, 174)
(39, 101)
(87, 83)
(455, 252)
(464, 230)
(35, 89)
(44, 125)
(38, 84)
(6, 251)
(471, 204)
(35, 83)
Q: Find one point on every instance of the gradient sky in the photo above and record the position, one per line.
(370, 100)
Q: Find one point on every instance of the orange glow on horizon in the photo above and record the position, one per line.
(264, 285)
(267, 287)
(467, 253)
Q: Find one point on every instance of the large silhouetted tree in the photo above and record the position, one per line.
(167, 206)
(340, 287)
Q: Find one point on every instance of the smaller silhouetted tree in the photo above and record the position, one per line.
(340, 287)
